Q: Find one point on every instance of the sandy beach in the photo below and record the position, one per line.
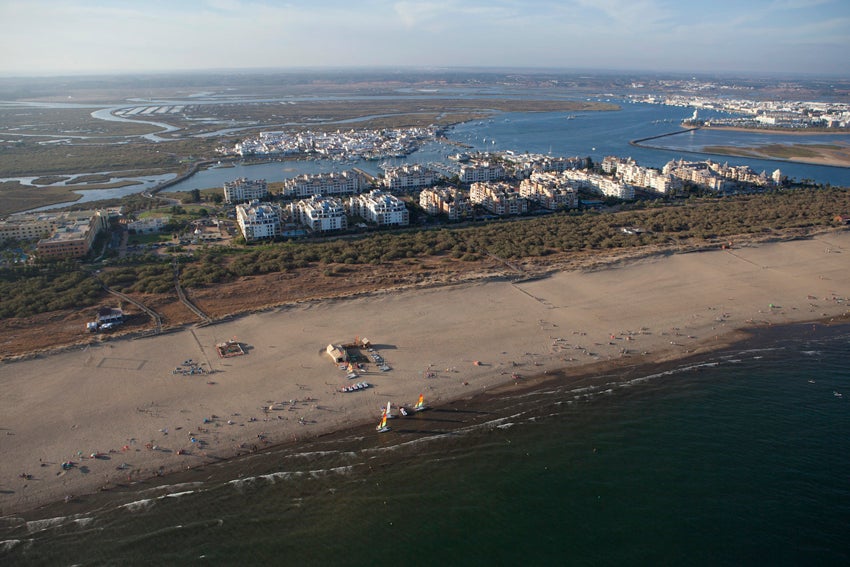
(121, 412)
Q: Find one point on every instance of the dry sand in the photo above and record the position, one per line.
(122, 402)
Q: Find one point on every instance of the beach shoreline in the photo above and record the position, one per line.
(117, 403)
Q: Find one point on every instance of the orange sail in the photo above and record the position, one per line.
(421, 402)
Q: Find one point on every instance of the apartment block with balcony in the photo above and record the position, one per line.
(550, 190)
(482, 171)
(380, 208)
(258, 221)
(499, 198)
(326, 184)
(407, 177)
(242, 190)
(320, 214)
(449, 201)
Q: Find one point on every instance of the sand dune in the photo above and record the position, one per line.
(122, 402)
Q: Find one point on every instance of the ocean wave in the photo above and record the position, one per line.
(181, 486)
(176, 494)
(139, 505)
(312, 454)
(751, 351)
(9, 544)
(335, 470)
(41, 525)
(811, 352)
(84, 522)
(241, 483)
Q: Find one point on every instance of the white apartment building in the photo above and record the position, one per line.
(325, 184)
(445, 200)
(700, 174)
(258, 220)
(147, 225)
(242, 190)
(498, 198)
(380, 208)
(648, 178)
(409, 177)
(611, 163)
(320, 213)
(599, 183)
(480, 172)
(550, 190)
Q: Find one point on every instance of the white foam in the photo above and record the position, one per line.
(83, 522)
(177, 494)
(9, 544)
(139, 505)
(39, 525)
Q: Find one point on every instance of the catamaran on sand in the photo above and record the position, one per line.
(382, 425)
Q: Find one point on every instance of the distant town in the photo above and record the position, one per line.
(756, 113)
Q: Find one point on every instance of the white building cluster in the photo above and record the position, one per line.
(718, 177)
(148, 225)
(629, 172)
(773, 113)
(498, 197)
(480, 171)
(369, 144)
(449, 201)
(525, 164)
(410, 176)
(380, 208)
(258, 221)
(242, 190)
(608, 186)
(550, 190)
(325, 184)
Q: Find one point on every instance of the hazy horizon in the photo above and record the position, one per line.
(51, 37)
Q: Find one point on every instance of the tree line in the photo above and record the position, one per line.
(61, 285)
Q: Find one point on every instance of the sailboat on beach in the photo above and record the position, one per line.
(420, 405)
(388, 411)
(382, 425)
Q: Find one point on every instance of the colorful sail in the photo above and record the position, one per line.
(421, 402)
(383, 424)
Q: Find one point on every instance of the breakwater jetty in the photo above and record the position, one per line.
(639, 141)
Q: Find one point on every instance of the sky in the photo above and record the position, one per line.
(57, 37)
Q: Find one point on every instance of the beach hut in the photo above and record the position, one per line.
(337, 353)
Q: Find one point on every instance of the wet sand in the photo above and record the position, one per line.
(120, 413)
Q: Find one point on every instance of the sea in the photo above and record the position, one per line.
(735, 457)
